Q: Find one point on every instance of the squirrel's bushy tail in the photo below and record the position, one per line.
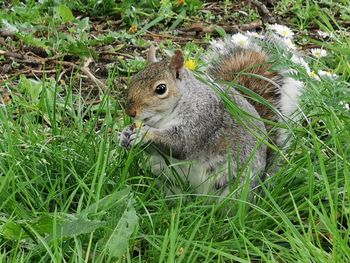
(242, 59)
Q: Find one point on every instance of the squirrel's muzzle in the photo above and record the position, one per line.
(130, 109)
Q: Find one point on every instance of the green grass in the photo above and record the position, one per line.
(70, 193)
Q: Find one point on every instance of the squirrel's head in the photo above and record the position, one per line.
(155, 91)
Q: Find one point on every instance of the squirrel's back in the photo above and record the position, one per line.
(242, 60)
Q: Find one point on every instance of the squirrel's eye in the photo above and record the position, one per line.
(161, 89)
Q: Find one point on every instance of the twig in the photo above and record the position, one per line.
(159, 37)
(11, 54)
(43, 71)
(6, 33)
(22, 58)
(87, 71)
(27, 72)
(124, 55)
(61, 74)
(5, 78)
(252, 26)
(41, 61)
(199, 27)
(116, 53)
(264, 12)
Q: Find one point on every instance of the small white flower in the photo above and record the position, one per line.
(300, 61)
(240, 40)
(323, 34)
(283, 31)
(345, 105)
(289, 43)
(218, 45)
(318, 52)
(254, 34)
(327, 74)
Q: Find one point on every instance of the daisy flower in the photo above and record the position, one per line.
(218, 44)
(323, 34)
(318, 52)
(327, 74)
(289, 43)
(300, 61)
(345, 105)
(254, 34)
(240, 40)
(283, 31)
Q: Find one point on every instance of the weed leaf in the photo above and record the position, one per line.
(74, 226)
(117, 243)
(65, 13)
(32, 87)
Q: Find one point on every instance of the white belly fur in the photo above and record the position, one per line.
(193, 172)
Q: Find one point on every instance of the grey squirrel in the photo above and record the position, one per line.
(186, 121)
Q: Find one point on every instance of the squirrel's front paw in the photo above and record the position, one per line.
(125, 136)
(131, 136)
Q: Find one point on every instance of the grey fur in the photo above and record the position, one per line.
(194, 129)
(202, 121)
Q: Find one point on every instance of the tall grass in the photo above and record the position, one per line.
(70, 193)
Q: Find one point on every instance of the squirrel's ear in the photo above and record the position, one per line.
(151, 54)
(177, 63)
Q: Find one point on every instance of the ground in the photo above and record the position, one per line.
(70, 193)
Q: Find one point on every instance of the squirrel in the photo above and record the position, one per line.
(189, 127)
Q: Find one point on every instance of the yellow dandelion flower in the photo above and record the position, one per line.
(191, 64)
(133, 29)
(180, 2)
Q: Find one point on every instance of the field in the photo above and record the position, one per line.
(70, 193)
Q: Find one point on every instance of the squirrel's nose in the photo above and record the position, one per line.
(131, 113)
(130, 109)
